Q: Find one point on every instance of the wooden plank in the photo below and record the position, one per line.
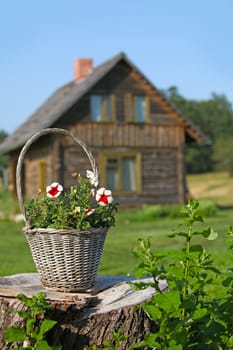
(29, 284)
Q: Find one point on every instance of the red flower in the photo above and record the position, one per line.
(89, 211)
(104, 196)
(54, 190)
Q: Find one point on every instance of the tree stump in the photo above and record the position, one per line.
(83, 319)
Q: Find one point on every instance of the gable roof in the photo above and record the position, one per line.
(66, 96)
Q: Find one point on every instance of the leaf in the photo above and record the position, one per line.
(174, 254)
(230, 342)
(198, 218)
(188, 221)
(141, 272)
(43, 345)
(169, 302)
(182, 234)
(30, 324)
(207, 233)
(213, 327)
(199, 313)
(41, 297)
(151, 339)
(213, 235)
(176, 271)
(213, 269)
(27, 301)
(174, 346)
(188, 304)
(227, 282)
(193, 203)
(15, 334)
(153, 311)
(23, 314)
(108, 344)
(196, 248)
(45, 326)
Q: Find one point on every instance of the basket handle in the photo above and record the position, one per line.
(24, 150)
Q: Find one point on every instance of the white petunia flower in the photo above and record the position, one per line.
(93, 178)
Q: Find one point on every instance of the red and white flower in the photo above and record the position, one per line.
(104, 196)
(93, 178)
(89, 211)
(54, 190)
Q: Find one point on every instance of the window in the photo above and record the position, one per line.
(121, 172)
(140, 109)
(136, 108)
(103, 108)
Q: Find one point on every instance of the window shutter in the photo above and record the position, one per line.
(113, 106)
(103, 108)
(128, 107)
(139, 172)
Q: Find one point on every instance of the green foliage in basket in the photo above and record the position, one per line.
(84, 207)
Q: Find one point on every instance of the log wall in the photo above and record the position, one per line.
(129, 135)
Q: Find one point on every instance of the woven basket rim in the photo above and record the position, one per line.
(90, 231)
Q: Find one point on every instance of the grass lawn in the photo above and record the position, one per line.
(15, 256)
(217, 187)
(117, 258)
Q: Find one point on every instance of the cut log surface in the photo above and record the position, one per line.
(83, 319)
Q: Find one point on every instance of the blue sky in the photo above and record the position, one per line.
(186, 43)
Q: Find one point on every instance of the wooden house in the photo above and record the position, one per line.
(135, 134)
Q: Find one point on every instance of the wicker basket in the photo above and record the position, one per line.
(67, 260)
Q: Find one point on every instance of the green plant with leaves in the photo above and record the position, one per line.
(32, 334)
(223, 307)
(119, 339)
(187, 317)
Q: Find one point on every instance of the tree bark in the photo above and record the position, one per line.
(83, 319)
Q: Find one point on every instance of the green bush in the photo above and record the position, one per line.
(207, 208)
(162, 210)
(8, 204)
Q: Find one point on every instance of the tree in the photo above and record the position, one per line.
(3, 160)
(223, 155)
(215, 118)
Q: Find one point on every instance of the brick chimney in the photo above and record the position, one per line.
(82, 67)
